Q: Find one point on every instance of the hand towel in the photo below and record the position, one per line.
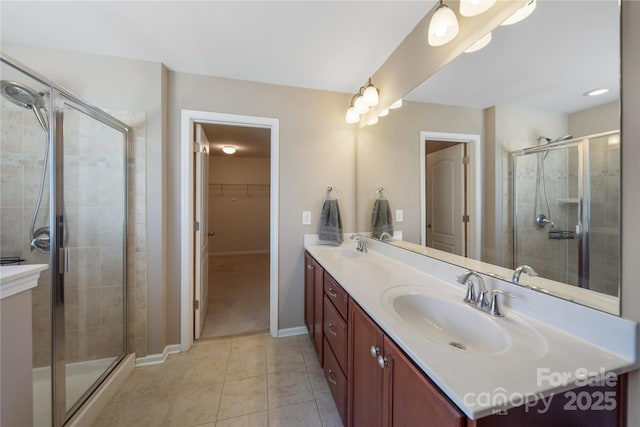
(381, 219)
(331, 222)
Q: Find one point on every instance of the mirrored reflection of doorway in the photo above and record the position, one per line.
(238, 230)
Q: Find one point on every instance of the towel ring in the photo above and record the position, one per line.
(380, 193)
(331, 189)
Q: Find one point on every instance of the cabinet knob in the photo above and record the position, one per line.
(375, 351)
(332, 377)
(309, 267)
(383, 362)
(332, 293)
(332, 329)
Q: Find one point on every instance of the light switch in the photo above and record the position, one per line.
(306, 217)
(399, 215)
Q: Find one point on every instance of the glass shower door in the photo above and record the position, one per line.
(92, 240)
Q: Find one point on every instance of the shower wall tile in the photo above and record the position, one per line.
(11, 231)
(82, 225)
(111, 305)
(82, 308)
(111, 226)
(83, 265)
(12, 186)
(11, 130)
(111, 266)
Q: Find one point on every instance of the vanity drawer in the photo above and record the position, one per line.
(335, 332)
(337, 382)
(336, 294)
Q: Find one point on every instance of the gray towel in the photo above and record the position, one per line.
(331, 222)
(381, 219)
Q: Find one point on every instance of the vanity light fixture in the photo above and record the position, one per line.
(359, 104)
(384, 113)
(396, 104)
(613, 140)
(521, 13)
(228, 149)
(482, 42)
(443, 26)
(596, 92)
(372, 121)
(475, 7)
(351, 116)
(370, 94)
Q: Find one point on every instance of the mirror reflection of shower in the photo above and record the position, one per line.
(28, 98)
(541, 209)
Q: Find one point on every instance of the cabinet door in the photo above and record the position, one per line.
(410, 399)
(365, 376)
(318, 318)
(308, 292)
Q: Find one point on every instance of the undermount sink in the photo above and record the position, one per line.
(445, 321)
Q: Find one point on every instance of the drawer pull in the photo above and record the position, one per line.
(332, 330)
(383, 362)
(332, 377)
(332, 293)
(375, 351)
(309, 267)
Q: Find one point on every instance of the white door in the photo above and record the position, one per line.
(201, 262)
(445, 200)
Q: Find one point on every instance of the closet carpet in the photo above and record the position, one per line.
(238, 295)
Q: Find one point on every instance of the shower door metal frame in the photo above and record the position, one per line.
(584, 195)
(59, 256)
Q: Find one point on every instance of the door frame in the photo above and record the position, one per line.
(474, 171)
(188, 118)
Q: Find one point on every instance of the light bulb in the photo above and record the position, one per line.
(228, 149)
(479, 44)
(443, 26)
(372, 121)
(370, 95)
(475, 7)
(352, 117)
(360, 105)
(384, 113)
(521, 13)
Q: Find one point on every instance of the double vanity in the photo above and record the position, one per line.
(402, 343)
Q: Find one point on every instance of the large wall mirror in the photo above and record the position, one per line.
(502, 157)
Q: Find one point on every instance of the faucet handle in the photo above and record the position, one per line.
(495, 309)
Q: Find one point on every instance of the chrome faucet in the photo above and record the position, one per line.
(523, 269)
(481, 301)
(384, 235)
(361, 245)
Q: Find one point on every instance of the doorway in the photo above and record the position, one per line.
(238, 230)
(188, 301)
(450, 193)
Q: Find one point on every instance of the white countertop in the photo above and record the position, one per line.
(19, 278)
(552, 336)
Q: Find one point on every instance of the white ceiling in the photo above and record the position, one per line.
(248, 141)
(545, 62)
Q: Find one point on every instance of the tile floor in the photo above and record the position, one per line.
(245, 381)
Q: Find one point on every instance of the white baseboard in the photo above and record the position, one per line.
(158, 359)
(289, 332)
(265, 251)
(103, 395)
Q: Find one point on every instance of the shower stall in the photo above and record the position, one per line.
(566, 210)
(63, 168)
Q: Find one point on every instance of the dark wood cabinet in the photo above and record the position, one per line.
(386, 388)
(313, 310)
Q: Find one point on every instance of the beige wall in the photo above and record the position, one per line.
(630, 149)
(239, 204)
(595, 120)
(317, 149)
(389, 157)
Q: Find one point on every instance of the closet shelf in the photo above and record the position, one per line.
(247, 189)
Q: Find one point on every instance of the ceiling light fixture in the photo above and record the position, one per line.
(596, 92)
(521, 13)
(443, 26)
(228, 149)
(479, 44)
(475, 7)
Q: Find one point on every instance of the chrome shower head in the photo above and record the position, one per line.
(25, 97)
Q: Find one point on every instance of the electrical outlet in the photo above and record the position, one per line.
(306, 217)
(399, 215)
